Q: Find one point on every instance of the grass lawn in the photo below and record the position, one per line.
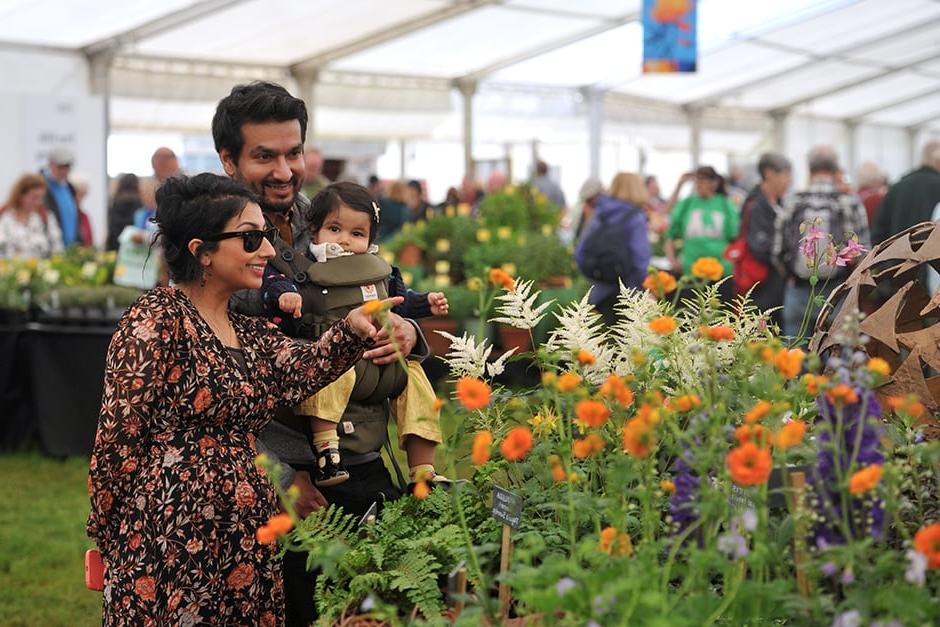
(43, 506)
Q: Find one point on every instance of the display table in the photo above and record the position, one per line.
(51, 380)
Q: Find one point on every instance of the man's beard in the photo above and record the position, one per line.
(268, 205)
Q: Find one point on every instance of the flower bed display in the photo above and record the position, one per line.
(684, 467)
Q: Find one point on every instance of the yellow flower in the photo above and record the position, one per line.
(442, 245)
(474, 284)
(463, 209)
(708, 268)
(504, 232)
(549, 378)
(546, 230)
(442, 266)
(667, 486)
(373, 307)
(451, 211)
(879, 365)
(483, 235)
(441, 280)
(543, 422)
(509, 268)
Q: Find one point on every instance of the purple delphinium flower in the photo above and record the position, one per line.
(682, 504)
(852, 618)
(916, 572)
(733, 544)
(564, 585)
(865, 513)
(829, 569)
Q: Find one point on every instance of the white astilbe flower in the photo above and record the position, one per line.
(580, 328)
(631, 331)
(466, 358)
(518, 310)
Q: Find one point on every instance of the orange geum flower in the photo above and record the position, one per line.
(549, 378)
(558, 473)
(664, 325)
(648, 414)
(638, 438)
(749, 464)
(717, 333)
(615, 387)
(755, 414)
(708, 268)
(585, 358)
(865, 479)
(480, 453)
(686, 402)
(276, 526)
(614, 542)
(667, 486)
(927, 542)
(438, 404)
(789, 361)
(813, 382)
(842, 394)
(500, 277)
(790, 434)
(517, 444)
(568, 382)
(421, 490)
(660, 283)
(581, 449)
(473, 393)
(592, 413)
(906, 405)
(372, 307)
(880, 366)
(752, 433)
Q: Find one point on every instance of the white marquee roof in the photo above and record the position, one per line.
(862, 61)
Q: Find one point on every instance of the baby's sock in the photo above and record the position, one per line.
(323, 440)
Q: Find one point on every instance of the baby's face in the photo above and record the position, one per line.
(348, 228)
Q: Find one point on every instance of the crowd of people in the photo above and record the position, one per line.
(262, 341)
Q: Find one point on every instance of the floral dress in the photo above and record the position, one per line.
(175, 495)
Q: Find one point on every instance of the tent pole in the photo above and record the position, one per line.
(694, 116)
(307, 88)
(467, 90)
(595, 101)
(851, 146)
(779, 120)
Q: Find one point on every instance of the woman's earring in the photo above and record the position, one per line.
(206, 273)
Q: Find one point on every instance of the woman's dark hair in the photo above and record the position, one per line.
(353, 195)
(255, 102)
(195, 207)
(127, 185)
(708, 172)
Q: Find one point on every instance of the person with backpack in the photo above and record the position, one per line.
(752, 252)
(27, 229)
(614, 247)
(837, 216)
(705, 222)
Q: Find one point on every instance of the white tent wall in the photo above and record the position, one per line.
(44, 104)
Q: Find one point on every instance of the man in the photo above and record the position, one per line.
(414, 199)
(62, 200)
(758, 220)
(871, 189)
(912, 199)
(164, 164)
(259, 132)
(548, 187)
(314, 180)
(830, 212)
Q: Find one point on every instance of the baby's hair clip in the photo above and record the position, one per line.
(375, 208)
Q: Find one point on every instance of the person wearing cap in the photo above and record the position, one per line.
(590, 190)
(62, 201)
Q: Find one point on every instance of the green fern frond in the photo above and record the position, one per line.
(416, 576)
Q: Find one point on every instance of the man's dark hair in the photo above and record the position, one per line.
(773, 162)
(373, 180)
(649, 179)
(416, 184)
(353, 195)
(256, 102)
(541, 168)
(191, 208)
(708, 172)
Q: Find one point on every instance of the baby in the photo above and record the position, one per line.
(343, 225)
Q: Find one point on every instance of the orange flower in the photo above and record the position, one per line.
(813, 382)
(438, 404)
(592, 413)
(927, 542)
(686, 402)
(581, 449)
(558, 473)
(648, 414)
(663, 325)
(752, 433)
(568, 381)
(281, 523)
(596, 441)
(638, 438)
(760, 409)
(906, 405)
(421, 490)
(500, 277)
(749, 464)
(614, 387)
(516, 444)
(718, 333)
(789, 362)
(549, 378)
(473, 393)
(865, 479)
(481, 447)
(667, 486)
(372, 307)
(585, 358)
(879, 365)
(842, 394)
(708, 268)
(790, 434)
(660, 283)
(614, 542)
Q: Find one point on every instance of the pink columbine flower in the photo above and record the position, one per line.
(851, 251)
(808, 243)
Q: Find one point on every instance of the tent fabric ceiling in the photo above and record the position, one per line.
(867, 61)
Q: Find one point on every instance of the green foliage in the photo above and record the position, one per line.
(521, 208)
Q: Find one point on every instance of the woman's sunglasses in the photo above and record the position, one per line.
(251, 240)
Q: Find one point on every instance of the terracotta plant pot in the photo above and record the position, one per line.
(438, 344)
(512, 337)
(410, 255)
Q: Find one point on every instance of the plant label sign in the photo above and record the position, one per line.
(507, 507)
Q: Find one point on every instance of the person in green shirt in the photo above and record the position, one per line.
(705, 222)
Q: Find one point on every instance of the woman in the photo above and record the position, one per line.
(394, 211)
(618, 219)
(26, 228)
(121, 212)
(705, 222)
(176, 499)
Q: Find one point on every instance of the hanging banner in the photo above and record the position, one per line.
(669, 42)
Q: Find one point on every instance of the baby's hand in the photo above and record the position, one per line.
(290, 302)
(438, 302)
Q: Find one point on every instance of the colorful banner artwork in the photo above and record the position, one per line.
(669, 42)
